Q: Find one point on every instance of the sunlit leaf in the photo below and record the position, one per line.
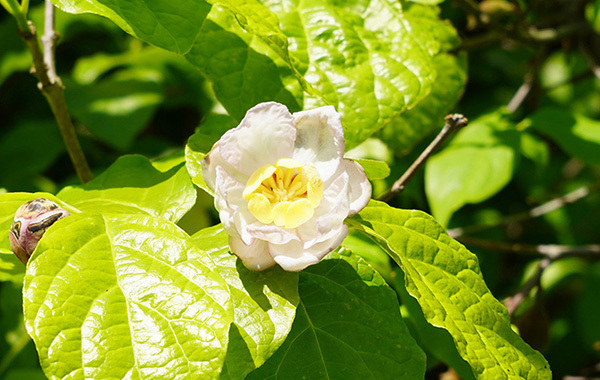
(264, 305)
(125, 296)
(444, 277)
(133, 185)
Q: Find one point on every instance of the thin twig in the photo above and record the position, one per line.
(535, 212)
(49, 40)
(530, 81)
(453, 123)
(54, 93)
(513, 302)
(552, 251)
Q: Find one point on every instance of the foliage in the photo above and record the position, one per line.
(139, 282)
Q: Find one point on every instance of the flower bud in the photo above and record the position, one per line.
(31, 221)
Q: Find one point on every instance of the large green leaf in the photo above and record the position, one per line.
(347, 326)
(115, 109)
(264, 305)
(578, 135)
(445, 279)
(367, 58)
(125, 296)
(478, 163)
(133, 185)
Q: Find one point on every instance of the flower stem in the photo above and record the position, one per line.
(52, 88)
(453, 123)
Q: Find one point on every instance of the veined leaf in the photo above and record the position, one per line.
(347, 326)
(125, 296)
(477, 164)
(367, 58)
(132, 185)
(444, 277)
(264, 305)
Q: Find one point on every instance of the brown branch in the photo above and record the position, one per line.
(535, 212)
(513, 302)
(453, 123)
(55, 96)
(49, 40)
(551, 251)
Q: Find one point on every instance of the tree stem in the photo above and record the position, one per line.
(49, 84)
(453, 123)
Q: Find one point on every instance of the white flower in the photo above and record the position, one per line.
(282, 187)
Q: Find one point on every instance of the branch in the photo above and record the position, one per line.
(551, 251)
(49, 40)
(453, 123)
(54, 93)
(512, 303)
(535, 212)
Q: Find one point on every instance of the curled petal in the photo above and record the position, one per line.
(266, 134)
(320, 139)
(360, 188)
(294, 256)
(271, 233)
(254, 256)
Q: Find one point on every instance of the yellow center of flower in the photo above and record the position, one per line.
(285, 193)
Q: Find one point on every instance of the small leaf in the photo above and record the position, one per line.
(374, 169)
(444, 277)
(347, 326)
(264, 305)
(133, 185)
(125, 296)
(576, 134)
(477, 164)
(201, 142)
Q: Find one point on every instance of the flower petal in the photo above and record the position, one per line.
(255, 256)
(320, 139)
(266, 134)
(360, 187)
(294, 257)
(271, 233)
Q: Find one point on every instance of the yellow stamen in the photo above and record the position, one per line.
(285, 194)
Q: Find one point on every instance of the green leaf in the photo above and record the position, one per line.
(347, 326)
(416, 123)
(576, 134)
(264, 305)
(132, 185)
(11, 269)
(28, 149)
(374, 169)
(477, 164)
(444, 277)
(117, 108)
(304, 54)
(125, 296)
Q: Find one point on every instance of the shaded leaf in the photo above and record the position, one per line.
(576, 134)
(477, 164)
(132, 185)
(142, 301)
(444, 277)
(264, 305)
(347, 326)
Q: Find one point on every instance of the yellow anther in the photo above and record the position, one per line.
(285, 194)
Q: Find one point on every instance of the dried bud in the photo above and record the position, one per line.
(31, 221)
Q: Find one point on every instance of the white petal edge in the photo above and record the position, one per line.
(255, 257)
(266, 134)
(320, 139)
(293, 257)
(360, 187)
